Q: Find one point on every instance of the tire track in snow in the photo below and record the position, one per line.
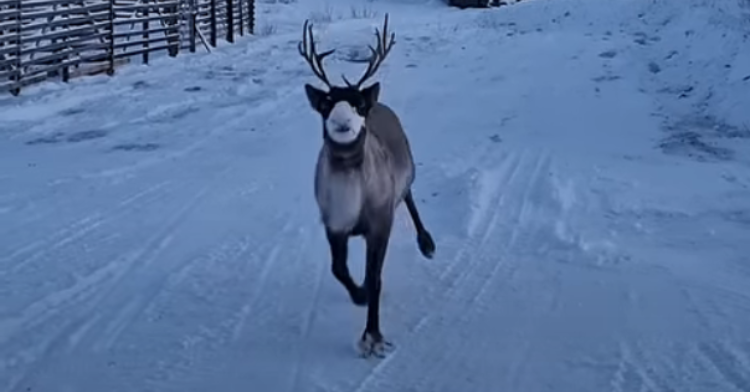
(224, 287)
(84, 226)
(148, 284)
(474, 250)
(38, 312)
(123, 289)
(492, 256)
(727, 363)
(304, 350)
(115, 323)
(486, 262)
(196, 341)
(634, 373)
(705, 320)
(284, 270)
(518, 225)
(247, 308)
(662, 365)
(267, 313)
(270, 253)
(478, 233)
(464, 261)
(713, 306)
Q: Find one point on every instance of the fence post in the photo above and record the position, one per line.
(19, 63)
(192, 20)
(175, 40)
(230, 21)
(66, 69)
(111, 70)
(251, 17)
(146, 26)
(241, 22)
(213, 23)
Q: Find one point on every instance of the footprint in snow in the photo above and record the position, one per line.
(605, 78)
(72, 111)
(140, 84)
(86, 135)
(49, 139)
(645, 40)
(136, 147)
(654, 68)
(77, 137)
(681, 91)
(692, 145)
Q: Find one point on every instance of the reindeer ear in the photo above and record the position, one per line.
(316, 97)
(371, 93)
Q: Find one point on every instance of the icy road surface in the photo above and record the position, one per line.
(584, 167)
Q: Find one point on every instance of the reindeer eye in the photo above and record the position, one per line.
(361, 107)
(326, 104)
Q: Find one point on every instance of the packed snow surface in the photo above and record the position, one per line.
(583, 165)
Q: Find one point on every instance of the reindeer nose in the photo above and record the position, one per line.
(341, 129)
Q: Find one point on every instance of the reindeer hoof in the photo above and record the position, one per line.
(426, 244)
(359, 296)
(374, 345)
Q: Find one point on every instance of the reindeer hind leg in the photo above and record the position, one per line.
(424, 239)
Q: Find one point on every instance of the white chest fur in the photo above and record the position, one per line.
(340, 197)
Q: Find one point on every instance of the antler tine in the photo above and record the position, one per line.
(378, 54)
(311, 56)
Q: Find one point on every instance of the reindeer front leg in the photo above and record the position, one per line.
(372, 342)
(339, 244)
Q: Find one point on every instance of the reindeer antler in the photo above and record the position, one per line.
(378, 54)
(311, 56)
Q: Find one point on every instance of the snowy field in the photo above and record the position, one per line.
(583, 165)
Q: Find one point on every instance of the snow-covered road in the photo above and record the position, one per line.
(584, 168)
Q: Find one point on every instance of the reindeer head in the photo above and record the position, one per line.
(344, 108)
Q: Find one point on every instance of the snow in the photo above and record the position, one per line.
(582, 166)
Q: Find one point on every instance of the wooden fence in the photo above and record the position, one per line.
(40, 39)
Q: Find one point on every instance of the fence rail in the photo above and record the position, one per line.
(40, 39)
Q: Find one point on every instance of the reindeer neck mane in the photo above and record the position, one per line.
(346, 156)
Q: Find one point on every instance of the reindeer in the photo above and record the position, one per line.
(364, 171)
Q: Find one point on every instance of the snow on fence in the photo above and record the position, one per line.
(40, 39)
